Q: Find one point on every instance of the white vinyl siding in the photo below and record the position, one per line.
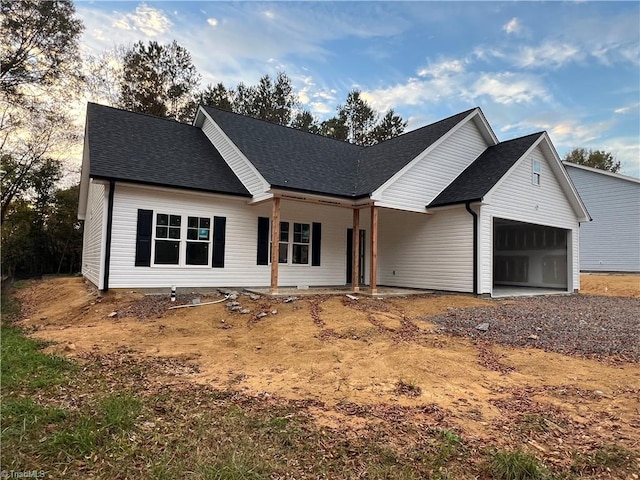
(93, 236)
(240, 268)
(516, 198)
(424, 180)
(242, 168)
(611, 242)
(426, 251)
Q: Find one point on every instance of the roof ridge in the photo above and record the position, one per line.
(172, 120)
(537, 134)
(280, 125)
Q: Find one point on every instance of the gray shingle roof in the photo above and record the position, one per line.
(291, 158)
(479, 177)
(298, 160)
(144, 149)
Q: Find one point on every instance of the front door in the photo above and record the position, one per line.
(350, 255)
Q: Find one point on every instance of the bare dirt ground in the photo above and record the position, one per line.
(366, 355)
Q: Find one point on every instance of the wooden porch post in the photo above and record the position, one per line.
(275, 244)
(355, 264)
(374, 250)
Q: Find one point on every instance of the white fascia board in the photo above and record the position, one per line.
(317, 198)
(404, 208)
(198, 118)
(84, 179)
(377, 194)
(485, 129)
(265, 185)
(473, 203)
(155, 188)
(263, 197)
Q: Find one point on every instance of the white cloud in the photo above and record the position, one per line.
(150, 21)
(212, 21)
(633, 108)
(440, 69)
(512, 26)
(506, 88)
(548, 54)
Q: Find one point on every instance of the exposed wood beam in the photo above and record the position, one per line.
(275, 244)
(355, 265)
(374, 250)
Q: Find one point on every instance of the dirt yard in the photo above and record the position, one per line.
(365, 352)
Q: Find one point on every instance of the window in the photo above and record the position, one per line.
(177, 243)
(535, 176)
(283, 245)
(300, 245)
(198, 236)
(294, 244)
(167, 239)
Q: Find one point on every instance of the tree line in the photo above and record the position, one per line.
(42, 74)
(162, 80)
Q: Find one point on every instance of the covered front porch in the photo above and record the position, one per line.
(364, 246)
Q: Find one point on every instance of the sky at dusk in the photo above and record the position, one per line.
(570, 68)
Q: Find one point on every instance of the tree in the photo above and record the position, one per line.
(157, 79)
(39, 46)
(357, 122)
(270, 100)
(33, 139)
(593, 158)
(306, 122)
(217, 96)
(360, 118)
(65, 230)
(39, 59)
(43, 235)
(390, 126)
(335, 127)
(104, 75)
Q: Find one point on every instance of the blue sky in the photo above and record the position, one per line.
(571, 68)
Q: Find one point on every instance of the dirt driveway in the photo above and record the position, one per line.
(366, 352)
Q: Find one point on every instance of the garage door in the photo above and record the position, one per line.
(526, 254)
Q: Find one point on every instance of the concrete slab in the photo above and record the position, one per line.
(512, 291)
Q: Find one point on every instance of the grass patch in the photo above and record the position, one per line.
(603, 459)
(23, 364)
(444, 447)
(22, 417)
(120, 412)
(515, 465)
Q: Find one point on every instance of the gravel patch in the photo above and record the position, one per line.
(582, 325)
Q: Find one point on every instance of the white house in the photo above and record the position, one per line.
(611, 242)
(444, 207)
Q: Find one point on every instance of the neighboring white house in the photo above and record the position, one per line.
(611, 242)
(444, 207)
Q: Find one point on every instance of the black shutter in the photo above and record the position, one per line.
(316, 238)
(219, 231)
(263, 241)
(143, 238)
